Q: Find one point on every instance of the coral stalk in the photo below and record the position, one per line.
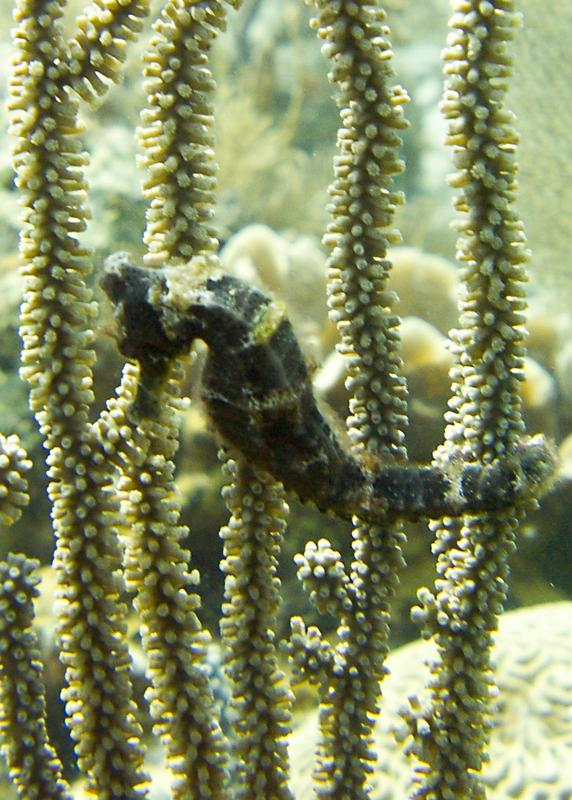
(157, 569)
(361, 208)
(57, 361)
(176, 132)
(451, 733)
(261, 698)
(34, 767)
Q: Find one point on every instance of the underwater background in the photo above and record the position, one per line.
(276, 128)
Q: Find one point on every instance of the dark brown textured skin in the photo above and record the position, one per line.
(259, 397)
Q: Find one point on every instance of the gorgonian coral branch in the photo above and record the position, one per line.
(261, 698)
(57, 357)
(98, 48)
(484, 421)
(177, 131)
(57, 362)
(361, 208)
(34, 767)
(14, 463)
(322, 574)
(157, 569)
(311, 655)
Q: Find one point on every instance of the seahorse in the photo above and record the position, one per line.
(258, 395)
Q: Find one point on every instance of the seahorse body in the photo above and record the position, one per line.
(259, 397)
